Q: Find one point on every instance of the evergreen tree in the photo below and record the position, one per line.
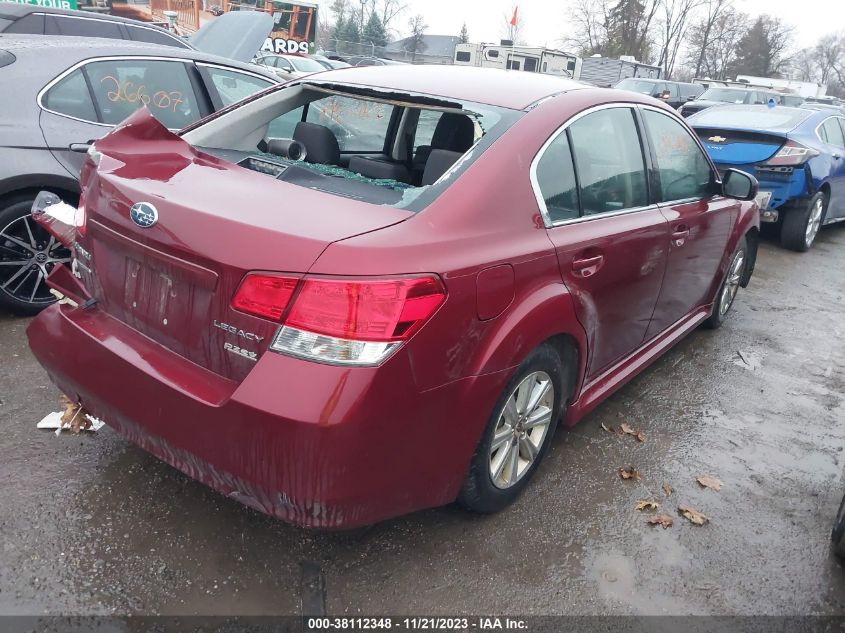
(348, 31)
(464, 35)
(374, 32)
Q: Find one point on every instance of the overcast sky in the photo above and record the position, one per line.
(544, 21)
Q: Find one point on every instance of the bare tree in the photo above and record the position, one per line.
(715, 9)
(588, 18)
(713, 43)
(675, 20)
(829, 56)
(415, 42)
(614, 27)
(803, 67)
(388, 10)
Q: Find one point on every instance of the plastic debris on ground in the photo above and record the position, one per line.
(73, 418)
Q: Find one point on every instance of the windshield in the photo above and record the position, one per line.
(305, 65)
(728, 95)
(750, 116)
(637, 85)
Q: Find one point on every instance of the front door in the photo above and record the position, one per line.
(832, 132)
(699, 223)
(611, 243)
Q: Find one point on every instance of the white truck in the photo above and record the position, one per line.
(525, 58)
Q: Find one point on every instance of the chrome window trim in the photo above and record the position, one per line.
(821, 123)
(535, 185)
(238, 71)
(93, 18)
(111, 58)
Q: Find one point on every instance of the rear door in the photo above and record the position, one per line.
(87, 102)
(699, 223)
(610, 241)
(832, 134)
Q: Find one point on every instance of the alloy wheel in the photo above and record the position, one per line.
(27, 255)
(814, 221)
(521, 429)
(731, 286)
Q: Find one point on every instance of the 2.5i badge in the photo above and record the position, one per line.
(240, 351)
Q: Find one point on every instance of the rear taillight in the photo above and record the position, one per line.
(60, 219)
(344, 321)
(791, 154)
(264, 296)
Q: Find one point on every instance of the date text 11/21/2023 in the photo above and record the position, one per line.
(419, 623)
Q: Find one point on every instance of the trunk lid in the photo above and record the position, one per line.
(739, 147)
(174, 279)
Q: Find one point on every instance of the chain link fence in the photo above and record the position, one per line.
(343, 48)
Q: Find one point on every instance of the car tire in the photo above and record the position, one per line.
(497, 476)
(729, 287)
(19, 299)
(837, 537)
(801, 223)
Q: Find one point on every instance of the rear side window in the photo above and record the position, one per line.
(556, 180)
(683, 169)
(232, 86)
(462, 56)
(120, 87)
(831, 132)
(154, 36)
(83, 27)
(71, 97)
(609, 160)
(32, 23)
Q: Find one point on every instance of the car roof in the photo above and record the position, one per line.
(15, 11)
(504, 88)
(50, 54)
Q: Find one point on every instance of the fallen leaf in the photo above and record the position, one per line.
(609, 429)
(68, 410)
(643, 504)
(629, 472)
(626, 428)
(693, 516)
(661, 519)
(708, 481)
(640, 436)
(668, 489)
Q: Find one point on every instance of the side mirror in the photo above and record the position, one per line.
(691, 98)
(739, 185)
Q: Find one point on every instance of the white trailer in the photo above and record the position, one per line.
(607, 72)
(804, 88)
(525, 58)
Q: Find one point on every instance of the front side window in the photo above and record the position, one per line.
(71, 97)
(154, 36)
(232, 85)
(683, 168)
(122, 86)
(609, 161)
(556, 180)
(358, 124)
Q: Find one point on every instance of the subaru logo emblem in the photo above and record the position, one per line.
(143, 214)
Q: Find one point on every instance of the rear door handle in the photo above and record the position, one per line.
(587, 266)
(679, 237)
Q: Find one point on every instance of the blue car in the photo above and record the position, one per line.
(797, 155)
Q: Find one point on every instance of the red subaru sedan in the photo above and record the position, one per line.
(377, 290)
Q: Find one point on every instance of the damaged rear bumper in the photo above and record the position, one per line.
(314, 445)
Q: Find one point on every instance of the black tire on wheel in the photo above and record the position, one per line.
(837, 537)
(729, 284)
(17, 299)
(795, 233)
(479, 493)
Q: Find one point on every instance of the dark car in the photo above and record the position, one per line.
(720, 96)
(672, 93)
(798, 156)
(16, 19)
(67, 92)
(339, 340)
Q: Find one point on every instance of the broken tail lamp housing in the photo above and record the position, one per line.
(790, 155)
(58, 218)
(341, 321)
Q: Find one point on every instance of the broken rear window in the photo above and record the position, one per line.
(384, 148)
